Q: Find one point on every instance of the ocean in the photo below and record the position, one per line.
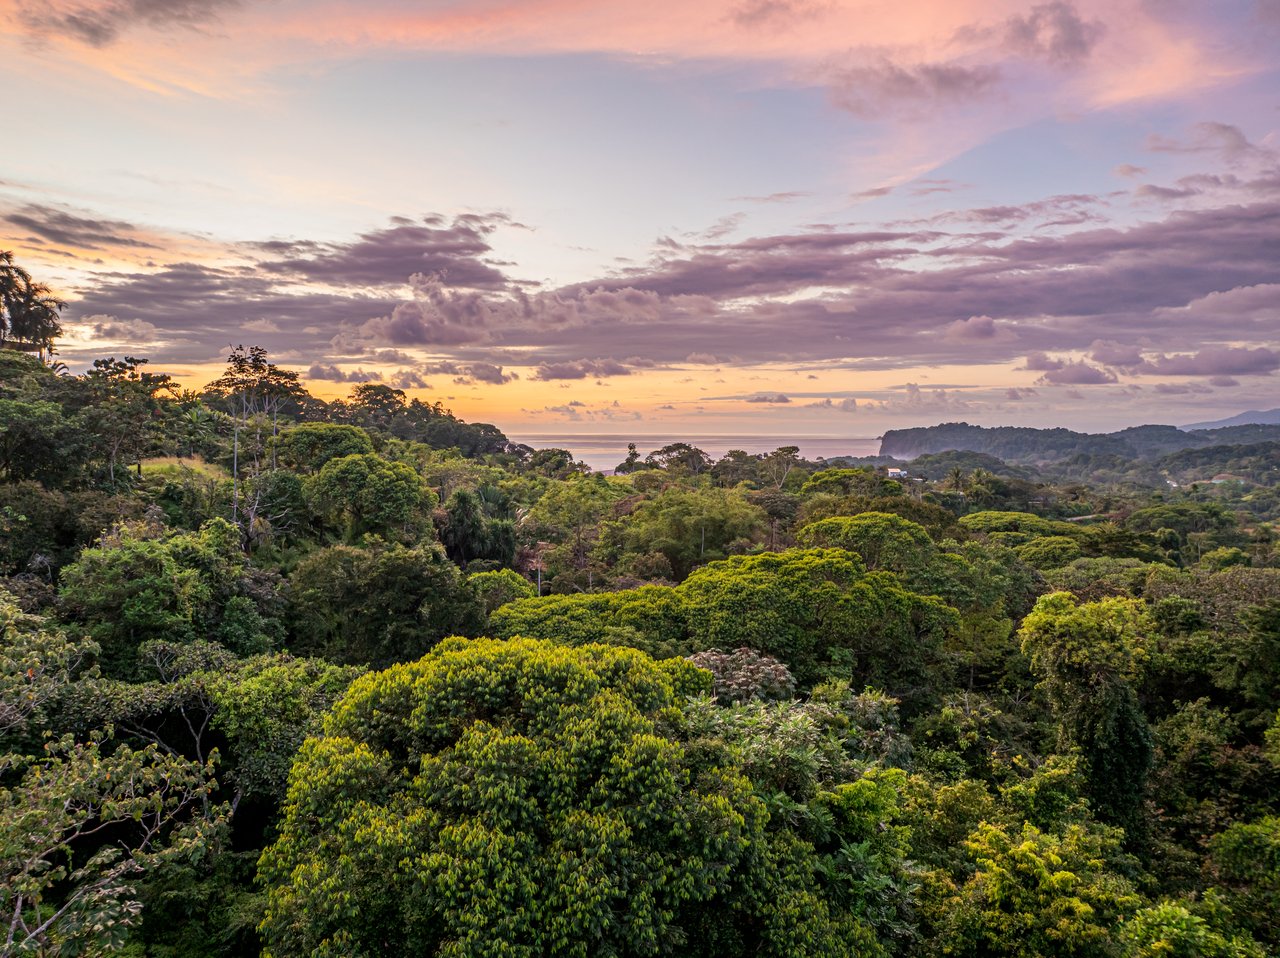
(604, 452)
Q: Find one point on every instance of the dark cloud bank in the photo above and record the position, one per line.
(1174, 295)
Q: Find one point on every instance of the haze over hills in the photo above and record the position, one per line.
(1269, 417)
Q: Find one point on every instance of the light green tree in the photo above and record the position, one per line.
(883, 540)
(519, 798)
(1038, 895)
(361, 494)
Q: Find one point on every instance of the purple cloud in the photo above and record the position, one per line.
(65, 228)
(451, 252)
(332, 373)
(581, 369)
(407, 379)
(974, 329)
(1076, 374)
(1214, 361)
(1053, 32)
(773, 14)
(1040, 362)
(467, 374)
(99, 24)
(849, 298)
(870, 90)
(1180, 389)
(1115, 354)
(1224, 139)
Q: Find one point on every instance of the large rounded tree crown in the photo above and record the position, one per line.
(522, 798)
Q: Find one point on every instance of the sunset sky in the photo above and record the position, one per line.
(775, 217)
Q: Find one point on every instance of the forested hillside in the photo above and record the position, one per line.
(1027, 445)
(280, 676)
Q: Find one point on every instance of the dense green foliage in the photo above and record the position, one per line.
(525, 798)
(753, 705)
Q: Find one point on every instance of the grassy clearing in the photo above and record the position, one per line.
(173, 466)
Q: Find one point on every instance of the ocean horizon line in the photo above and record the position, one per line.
(604, 451)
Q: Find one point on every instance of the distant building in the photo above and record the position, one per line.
(897, 474)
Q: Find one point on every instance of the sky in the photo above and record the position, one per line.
(742, 217)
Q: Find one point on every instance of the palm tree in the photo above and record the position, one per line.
(29, 312)
(12, 280)
(197, 425)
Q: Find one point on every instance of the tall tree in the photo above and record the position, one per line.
(1089, 657)
(256, 391)
(29, 311)
(122, 419)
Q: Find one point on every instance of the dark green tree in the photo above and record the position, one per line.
(376, 606)
(364, 494)
(1089, 657)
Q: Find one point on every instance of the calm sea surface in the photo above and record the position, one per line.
(601, 451)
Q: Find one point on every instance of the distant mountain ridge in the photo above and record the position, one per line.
(1027, 444)
(1254, 417)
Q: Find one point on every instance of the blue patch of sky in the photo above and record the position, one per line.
(593, 151)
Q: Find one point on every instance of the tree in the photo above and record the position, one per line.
(679, 457)
(1049, 552)
(195, 426)
(63, 889)
(547, 808)
(29, 312)
(122, 419)
(555, 464)
(386, 604)
(1245, 860)
(569, 514)
(776, 467)
(37, 664)
(1253, 661)
(735, 467)
(816, 611)
(498, 587)
(1089, 657)
(199, 701)
(986, 523)
(745, 675)
(140, 584)
(1171, 930)
(780, 507)
(883, 540)
(256, 391)
(33, 441)
(842, 482)
(820, 613)
(468, 533)
(1039, 895)
(632, 463)
(308, 446)
(692, 526)
(377, 404)
(362, 494)
(520, 798)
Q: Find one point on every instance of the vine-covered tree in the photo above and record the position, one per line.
(1089, 656)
